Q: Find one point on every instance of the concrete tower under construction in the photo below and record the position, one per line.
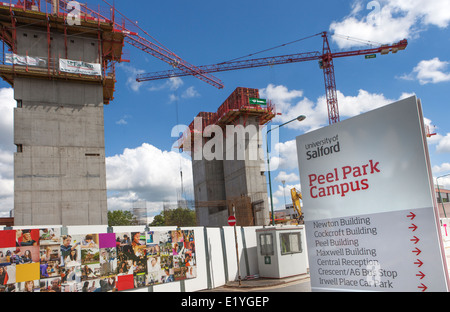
(228, 161)
(62, 69)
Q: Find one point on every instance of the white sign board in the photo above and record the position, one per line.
(369, 205)
(80, 67)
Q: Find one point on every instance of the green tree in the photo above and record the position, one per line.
(181, 217)
(121, 217)
(159, 220)
(178, 217)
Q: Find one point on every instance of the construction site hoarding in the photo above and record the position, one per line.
(46, 260)
(369, 207)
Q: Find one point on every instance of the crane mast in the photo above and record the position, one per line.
(330, 81)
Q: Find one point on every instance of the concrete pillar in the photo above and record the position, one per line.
(59, 169)
(240, 172)
(244, 174)
(209, 185)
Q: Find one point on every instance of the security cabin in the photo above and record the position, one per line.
(282, 251)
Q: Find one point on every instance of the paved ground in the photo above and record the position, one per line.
(299, 283)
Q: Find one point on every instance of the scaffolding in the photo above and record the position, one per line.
(240, 207)
(57, 18)
(237, 105)
(140, 213)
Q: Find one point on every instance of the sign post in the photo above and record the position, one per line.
(232, 222)
(371, 215)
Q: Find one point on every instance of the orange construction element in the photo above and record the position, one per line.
(235, 106)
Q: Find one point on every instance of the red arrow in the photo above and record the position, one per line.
(411, 216)
(423, 286)
(417, 251)
(414, 227)
(421, 275)
(415, 240)
(420, 263)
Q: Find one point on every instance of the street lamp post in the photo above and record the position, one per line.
(299, 118)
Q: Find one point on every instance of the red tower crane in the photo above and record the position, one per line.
(125, 30)
(325, 60)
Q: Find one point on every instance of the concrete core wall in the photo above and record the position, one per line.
(241, 172)
(245, 173)
(209, 185)
(59, 167)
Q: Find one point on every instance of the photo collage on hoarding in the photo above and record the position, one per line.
(43, 260)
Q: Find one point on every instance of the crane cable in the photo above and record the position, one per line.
(358, 40)
(362, 41)
(273, 48)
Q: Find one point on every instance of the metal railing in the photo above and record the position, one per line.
(52, 66)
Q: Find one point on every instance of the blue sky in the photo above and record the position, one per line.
(141, 163)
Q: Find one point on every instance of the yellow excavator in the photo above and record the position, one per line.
(296, 196)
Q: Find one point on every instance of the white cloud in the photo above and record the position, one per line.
(125, 200)
(280, 95)
(429, 71)
(147, 173)
(121, 200)
(173, 84)
(283, 195)
(7, 148)
(434, 139)
(190, 93)
(444, 144)
(436, 12)
(364, 101)
(387, 21)
(444, 183)
(173, 97)
(123, 121)
(6, 167)
(7, 104)
(287, 177)
(445, 167)
(291, 103)
(287, 156)
(132, 73)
